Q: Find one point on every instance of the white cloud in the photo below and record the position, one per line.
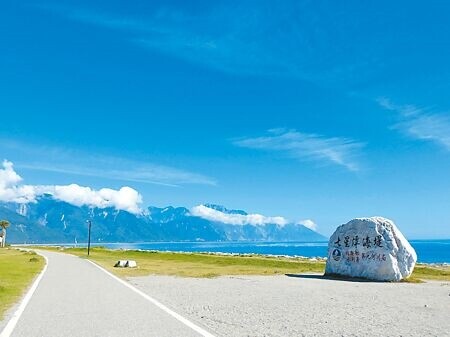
(11, 190)
(308, 223)
(8, 176)
(299, 145)
(125, 198)
(421, 124)
(236, 219)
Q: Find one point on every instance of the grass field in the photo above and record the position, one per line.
(208, 265)
(196, 265)
(425, 272)
(17, 270)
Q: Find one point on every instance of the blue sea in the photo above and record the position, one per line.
(428, 251)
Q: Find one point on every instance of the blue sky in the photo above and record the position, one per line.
(324, 111)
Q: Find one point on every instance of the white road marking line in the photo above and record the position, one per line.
(9, 328)
(172, 313)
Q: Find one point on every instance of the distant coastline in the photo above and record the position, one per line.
(428, 251)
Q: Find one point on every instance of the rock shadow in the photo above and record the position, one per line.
(332, 278)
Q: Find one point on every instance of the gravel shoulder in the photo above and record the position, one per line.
(305, 305)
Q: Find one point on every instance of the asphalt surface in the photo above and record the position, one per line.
(75, 298)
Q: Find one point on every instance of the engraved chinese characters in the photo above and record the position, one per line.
(371, 248)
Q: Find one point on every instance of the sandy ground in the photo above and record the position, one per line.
(305, 305)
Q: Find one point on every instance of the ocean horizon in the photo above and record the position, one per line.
(428, 251)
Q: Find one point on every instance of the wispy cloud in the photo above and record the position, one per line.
(59, 160)
(304, 146)
(192, 38)
(243, 37)
(420, 123)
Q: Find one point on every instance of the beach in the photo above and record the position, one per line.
(305, 305)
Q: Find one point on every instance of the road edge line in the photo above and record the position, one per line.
(172, 313)
(9, 328)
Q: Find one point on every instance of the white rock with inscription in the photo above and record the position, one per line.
(371, 248)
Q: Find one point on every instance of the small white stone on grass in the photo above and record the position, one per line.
(121, 263)
(126, 264)
(131, 264)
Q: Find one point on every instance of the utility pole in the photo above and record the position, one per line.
(89, 235)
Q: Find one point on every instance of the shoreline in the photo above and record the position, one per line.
(215, 253)
(430, 252)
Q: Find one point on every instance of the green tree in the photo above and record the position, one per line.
(4, 224)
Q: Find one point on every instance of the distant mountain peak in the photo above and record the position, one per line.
(49, 220)
(225, 210)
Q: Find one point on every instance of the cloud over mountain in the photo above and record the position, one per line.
(308, 223)
(236, 219)
(11, 190)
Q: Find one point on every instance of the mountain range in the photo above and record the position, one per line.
(53, 221)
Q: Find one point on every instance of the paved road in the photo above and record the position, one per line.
(75, 298)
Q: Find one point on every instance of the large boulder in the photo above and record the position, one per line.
(370, 248)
